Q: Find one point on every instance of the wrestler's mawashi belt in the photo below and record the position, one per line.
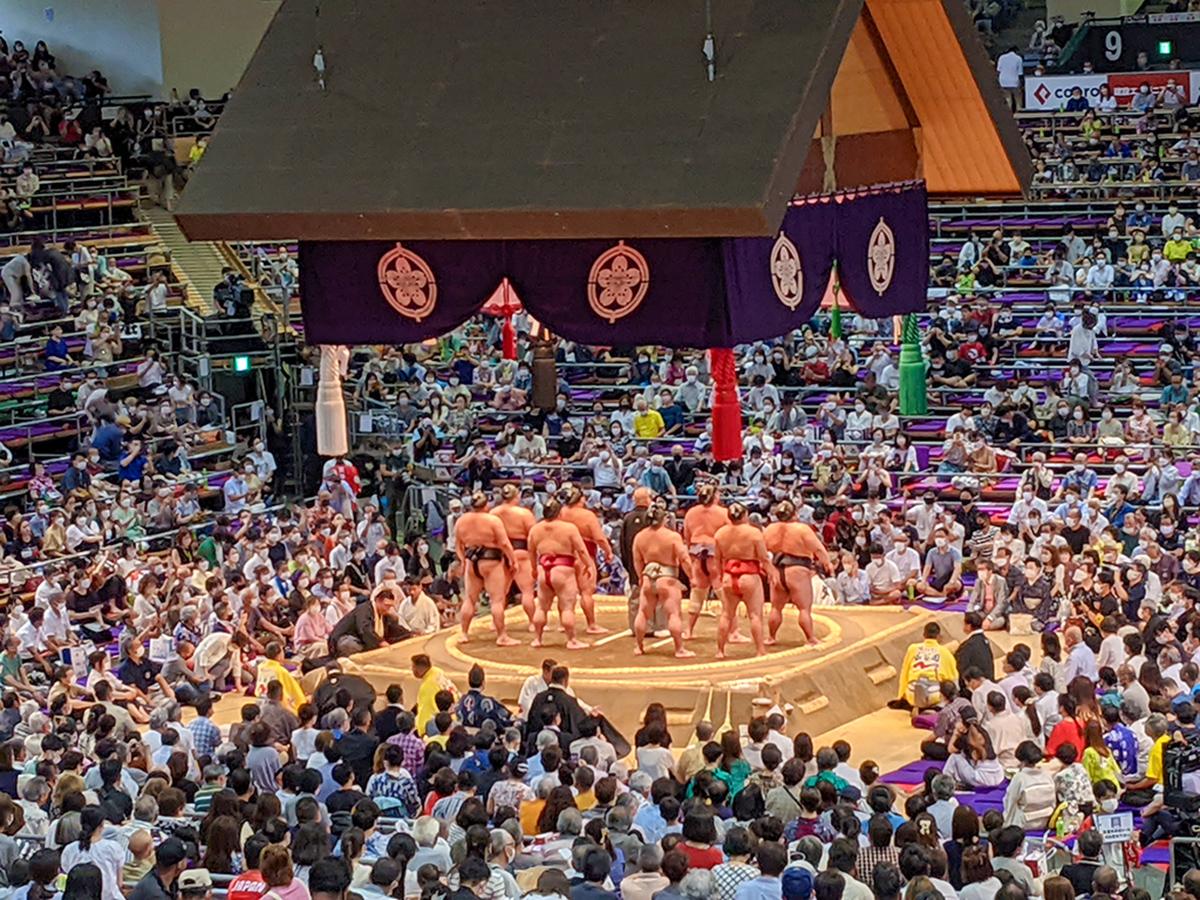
(736, 568)
(549, 561)
(783, 560)
(520, 544)
(654, 571)
(477, 554)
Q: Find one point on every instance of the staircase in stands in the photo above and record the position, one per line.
(197, 264)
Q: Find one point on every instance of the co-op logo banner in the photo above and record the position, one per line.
(1050, 92)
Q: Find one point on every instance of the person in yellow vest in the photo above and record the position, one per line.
(926, 661)
(431, 680)
(273, 669)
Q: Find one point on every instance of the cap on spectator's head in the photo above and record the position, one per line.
(1166, 350)
(194, 880)
(797, 883)
(171, 852)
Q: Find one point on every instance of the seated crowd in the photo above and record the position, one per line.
(1049, 491)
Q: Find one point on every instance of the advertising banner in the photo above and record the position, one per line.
(1050, 92)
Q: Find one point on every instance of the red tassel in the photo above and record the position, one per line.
(510, 338)
(727, 407)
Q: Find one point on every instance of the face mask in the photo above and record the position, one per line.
(1028, 495)
(1109, 804)
(861, 540)
(858, 407)
(941, 543)
(1079, 415)
(691, 379)
(453, 382)
(643, 359)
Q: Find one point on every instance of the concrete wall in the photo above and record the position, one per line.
(208, 43)
(119, 37)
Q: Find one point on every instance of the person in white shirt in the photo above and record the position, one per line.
(886, 583)
(924, 516)
(1010, 66)
(1112, 647)
(1083, 344)
(534, 685)
(56, 626)
(391, 561)
(1101, 274)
(264, 461)
(1028, 502)
(418, 612)
(906, 560)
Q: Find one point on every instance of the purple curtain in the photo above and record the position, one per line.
(762, 274)
(683, 306)
(343, 302)
(686, 292)
(883, 250)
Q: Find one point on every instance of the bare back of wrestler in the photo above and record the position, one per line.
(797, 552)
(517, 522)
(659, 556)
(700, 525)
(594, 539)
(556, 555)
(486, 556)
(741, 557)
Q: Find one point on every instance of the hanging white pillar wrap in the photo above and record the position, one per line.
(331, 403)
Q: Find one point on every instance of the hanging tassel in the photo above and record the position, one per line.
(726, 407)
(509, 336)
(331, 403)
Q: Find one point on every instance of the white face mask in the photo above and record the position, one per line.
(941, 543)
(1109, 804)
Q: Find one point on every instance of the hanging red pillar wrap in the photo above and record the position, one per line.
(726, 407)
(509, 336)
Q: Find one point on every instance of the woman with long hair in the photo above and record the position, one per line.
(223, 852)
(655, 713)
(1069, 729)
(1052, 660)
(964, 834)
(310, 844)
(1098, 759)
(733, 768)
(84, 882)
(972, 761)
(979, 879)
(93, 847)
(225, 802)
(560, 798)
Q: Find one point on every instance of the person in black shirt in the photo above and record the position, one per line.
(62, 399)
(680, 470)
(138, 671)
(1034, 595)
(447, 588)
(358, 745)
(385, 719)
(1074, 533)
(347, 794)
(1135, 591)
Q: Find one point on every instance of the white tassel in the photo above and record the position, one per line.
(331, 403)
